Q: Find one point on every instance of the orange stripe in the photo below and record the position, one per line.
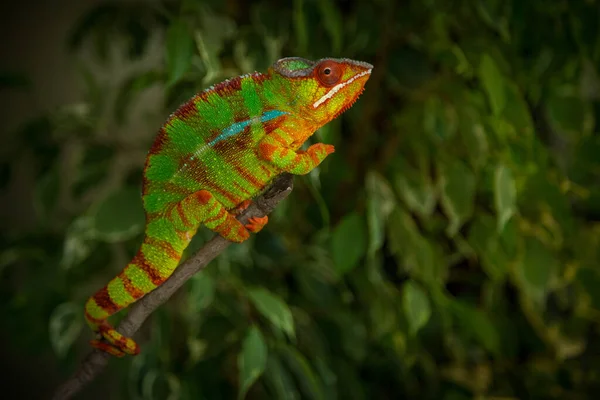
(216, 217)
(229, 196)
(182, 215)
(224, 230)
(94, 320)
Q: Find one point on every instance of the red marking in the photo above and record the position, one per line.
(186, 110)
(182, 215)
(134, 291)
(248, 176)
(164, 246)
(266, 150)
(216, 217)
(224, 228)
(214, 133)
(224, 193)
(97, 321)
(104, 301)
(241, 189)
(266, 170)
(271, 125)
(259, 78)
(204, 196)
(160, 140)
(223, 88)
(243, 233)
(141, 262)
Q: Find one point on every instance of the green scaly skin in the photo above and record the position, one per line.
(213, 155)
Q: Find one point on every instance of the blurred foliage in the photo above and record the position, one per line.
(449, 249)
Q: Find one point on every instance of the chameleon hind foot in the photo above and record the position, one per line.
(115, 343)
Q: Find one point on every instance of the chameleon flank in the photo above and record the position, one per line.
(213, 155)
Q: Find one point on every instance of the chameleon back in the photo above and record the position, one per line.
(209, 143)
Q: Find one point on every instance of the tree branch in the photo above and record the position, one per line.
(96, 360)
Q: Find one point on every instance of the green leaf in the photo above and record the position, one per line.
(305, 375)
(279, 380)
(180, 49)
(438, 120)
(536, 269)
(567, 113)
(274, 309)
(493, 83)
(505, 195)
(416, 306)
(157, 384)
(65, 325)
(589, 279)
(476, 324)
(252, 360)
(380, 203)
(419, 256)
(418, 192)
(77, 244)
(120, 216)
(517, 110)
(476, 142)
(348, 243)
(483, 237)
(457, 184)
(201, 292)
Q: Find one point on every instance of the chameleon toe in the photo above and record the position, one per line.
(255, 224)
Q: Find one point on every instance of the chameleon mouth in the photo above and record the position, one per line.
(339, 87)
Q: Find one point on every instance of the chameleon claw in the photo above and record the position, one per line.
(101, 345)
(114, 342)
(255, 224)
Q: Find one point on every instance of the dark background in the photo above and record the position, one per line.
(449, 249)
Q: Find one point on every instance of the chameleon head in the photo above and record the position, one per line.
(321, 90)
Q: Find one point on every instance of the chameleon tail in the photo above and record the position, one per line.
(165, 239)
(152, 265)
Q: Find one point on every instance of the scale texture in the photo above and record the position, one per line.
(212, 156)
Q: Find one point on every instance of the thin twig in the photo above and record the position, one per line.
(96, 360)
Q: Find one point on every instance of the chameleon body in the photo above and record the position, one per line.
(213, 155)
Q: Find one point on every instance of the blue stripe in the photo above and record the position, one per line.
(238, 127)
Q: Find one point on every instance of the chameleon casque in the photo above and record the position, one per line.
(213, 155)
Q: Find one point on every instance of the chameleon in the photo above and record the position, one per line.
(212, 156)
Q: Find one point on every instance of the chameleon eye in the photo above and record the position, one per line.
(329, 73)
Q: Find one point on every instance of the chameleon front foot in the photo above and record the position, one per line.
(255, 224)
(115, 343)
